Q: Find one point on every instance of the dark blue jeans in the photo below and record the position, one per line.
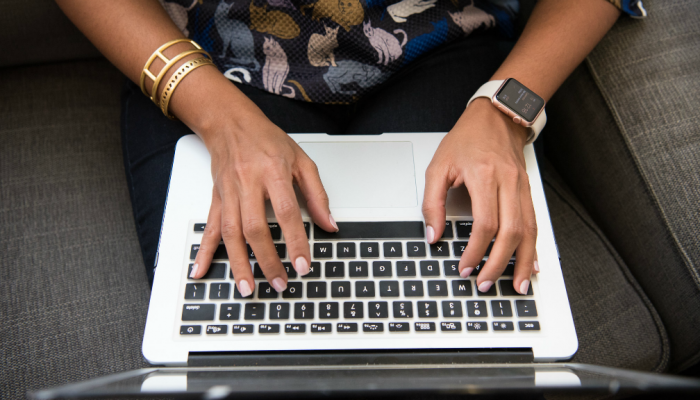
(429, 95)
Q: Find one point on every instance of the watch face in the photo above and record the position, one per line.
(520, 99)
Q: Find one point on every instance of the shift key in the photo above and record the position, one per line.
(198, 312)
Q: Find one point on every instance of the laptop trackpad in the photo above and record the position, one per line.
(366, 174)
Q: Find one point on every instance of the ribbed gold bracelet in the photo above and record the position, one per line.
(159, 53)
(175, 80)
(161, 74)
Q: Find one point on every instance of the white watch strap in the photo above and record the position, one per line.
(489, 88)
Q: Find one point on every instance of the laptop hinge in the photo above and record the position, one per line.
(359, 357)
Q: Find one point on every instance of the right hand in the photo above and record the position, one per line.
(253, 160)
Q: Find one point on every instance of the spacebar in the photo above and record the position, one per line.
(373, 230)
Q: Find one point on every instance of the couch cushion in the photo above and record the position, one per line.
(74, 289)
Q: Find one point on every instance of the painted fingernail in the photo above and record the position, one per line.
(244, 288)
(301, 266)
(485, 286)
(537, 266)
(524, 286)
(466, 272)
(330, 217)
(194, 270)
(279, 284)
(431, 234)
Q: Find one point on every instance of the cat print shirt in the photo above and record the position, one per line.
(334, 51)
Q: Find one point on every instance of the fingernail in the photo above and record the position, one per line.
(301, 266)
(466, 272)
(431, 234)
(244, 288)
(523, 286)
(330, 217)
(537, 266)
(279, 284)
(194, 270)
(485, 286)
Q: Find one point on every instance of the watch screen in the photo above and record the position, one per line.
(520, 99)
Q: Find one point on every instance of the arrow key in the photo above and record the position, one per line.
(269, 328)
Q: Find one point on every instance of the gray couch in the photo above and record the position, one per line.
(621, 173)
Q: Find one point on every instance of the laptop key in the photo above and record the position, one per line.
(266, 291)
(478, 269)
(507, 288)
(195, 291)
(425, 326)
(275, 230)
(510, 269)
(198, 312)
(502, 326)
(415, 249)
(323, 250)
(316, 290)
(304, 311)
(279, 311)
(342, 327)
(295, 328)
(229, 312)
(413, 288)
(389, 288)
(346, 250)
(399, 327)
(353, 309)
(458, 248)
(328, 310)
(403, 309)
(217, 329)
(219, 291)
(378, 309)
(373, 327)
(461, 288)
(437, 288)
(488, 293)
(447, 233)
(451, 309)
(373, 230)
(321, 328)
(358, 269)
(237, 294)
(440, 249)
(393, 249)
(369, 249)
(340, 289)
(314, 270)
(528, 325)
(501, 308)
(199, 228)
(245, 329)
(364, 289)
(405, 268)
(294, 290)
(464, 229)
(258, 272)
(291, 272)
(307, 228)
(429, 268)
(254, 311)
(219, 254)
(427, 309)
(190, 330)
(335, 269)
(526, 308)
(451, 267)
(281, 250)
(215, 271)
(381, 268)
(450, 326)
(477, 326)
(268, 328)
(477, 309)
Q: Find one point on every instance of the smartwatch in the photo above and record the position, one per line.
(516, 101)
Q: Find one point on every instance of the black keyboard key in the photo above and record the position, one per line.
(291, 272)
(369, 249)
(510, 269)
(429, 268)
(307, 228)
(373, 230)
(195, 291)
(478, 269)
(526, 308)
(399, 327)
(451, 267)
(229, 312)
(437, 288)
(295, 328)
(323, 250)
(501, 308)
(393, 249)
(342, 327)
(353, 309)
(405, 268)
(364, 289)
(340, 289)
(440, 249)
(413, 288)
(254, 311)
(346, 250)
(219, 254)
(268, 328)
(266, 291)
(328, 310)
(316, 290)
(458, 248)
(378, 309)
(425, 326)
(451, 309)
(427, 309)
(447, 233)
(477, 309)
(217, 329)
(477, 326)
(190, 330)
(304, 311)
(321, 328)
(281, 250)
(219, 291)
(507, 288)
(258, 272)
(403, 309)
(215, 271)
(335, 269)
(242, 329)
(450, 326)
(199, 228)
(489, 293)
(358, 269)
(528, 325)
(502, 326)
(381, 268)
(275, 230)
(279, 311)
(389, 288)
(294, 291)
(461, 288)
(251, 253)
(237, 294)
(373, 327)
(464, 229)
(198, 312)
(314, 270)
(193, 253)
(415, 249)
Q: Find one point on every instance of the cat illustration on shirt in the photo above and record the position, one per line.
(400, 11)
(321, 47)
(350, 71)
(387, 45)
(275, 23)
(275, 69)
(236, 38)
(177, 10)
(471, 18)
(346, 13)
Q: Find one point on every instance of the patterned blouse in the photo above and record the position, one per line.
(334, 51)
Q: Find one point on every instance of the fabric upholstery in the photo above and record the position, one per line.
(74, 293)
(631, 156)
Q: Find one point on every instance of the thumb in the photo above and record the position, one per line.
(436, 186)
(311, 187)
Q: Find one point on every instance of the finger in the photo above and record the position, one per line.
(525, 253)
(257, 232)
(484, 196)
(536, 264)
(288, 214)
(311, 187)
(232, 233)
(210, 238)
(436, 185)
(510, 232)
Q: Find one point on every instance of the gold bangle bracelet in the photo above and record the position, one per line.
(154, 97)
(159, 53)
(175, 80)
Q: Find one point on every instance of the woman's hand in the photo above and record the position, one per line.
(484, 152)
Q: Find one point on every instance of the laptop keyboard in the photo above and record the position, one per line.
(369, 278)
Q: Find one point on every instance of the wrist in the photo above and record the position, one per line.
(485, 109)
